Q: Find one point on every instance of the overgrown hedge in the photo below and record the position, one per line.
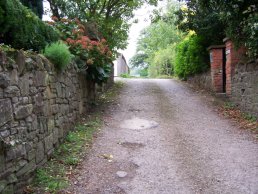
(191, 57)
(22, 29)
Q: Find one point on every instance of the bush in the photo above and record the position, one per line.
(191, 57)
(125, 75)
(59, 54)
(22, 29)
(93, 57)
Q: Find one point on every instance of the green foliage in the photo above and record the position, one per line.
(50, 183)
(229, 105)
(125, 75)
(35, 5)
(22, 29)
(143, 72)
(53, 176)
(191, 57)
(112, 17)
(216, 19)
(92, 57)
(249, 117)
(98, 74)
(138, 60)
(59, 54)
(156, 44)
(250, 29)
(202, 18)
(163, 62)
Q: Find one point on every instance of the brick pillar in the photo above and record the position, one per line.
(233, 56)
(216, 61)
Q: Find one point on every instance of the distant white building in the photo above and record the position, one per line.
(120, 65)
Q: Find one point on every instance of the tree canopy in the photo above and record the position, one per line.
(156, 43)
(216, 19)
(112, 17)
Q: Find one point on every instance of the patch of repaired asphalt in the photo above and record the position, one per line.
(132, 145)
(138, 123)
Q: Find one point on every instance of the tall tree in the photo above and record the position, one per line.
(113, 17)
(156, 44)
(216, 19)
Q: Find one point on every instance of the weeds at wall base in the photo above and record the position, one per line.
(54, 176)
(245, 120)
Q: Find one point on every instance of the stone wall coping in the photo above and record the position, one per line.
(216, 47)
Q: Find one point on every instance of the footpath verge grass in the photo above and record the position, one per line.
(55, 175)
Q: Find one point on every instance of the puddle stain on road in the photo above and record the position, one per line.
(137, 123)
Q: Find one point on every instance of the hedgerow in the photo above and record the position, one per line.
(191, 57)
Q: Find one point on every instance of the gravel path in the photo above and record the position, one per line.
(163, 138)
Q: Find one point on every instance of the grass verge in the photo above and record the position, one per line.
(54, 176)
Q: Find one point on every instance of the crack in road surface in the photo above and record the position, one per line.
(174, 143)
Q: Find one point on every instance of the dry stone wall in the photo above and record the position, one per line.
(202, 81)
(38, 106)
(245, 87)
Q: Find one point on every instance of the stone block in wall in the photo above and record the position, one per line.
(40, 152)
(1, 93)
(5, 132)
(42, 125)
(54, 109)
(60, 132)
(4, 80)
(14, 77)
(40, 62)
(58, 121)
(24, 85)
(20, 164)
(50, 125)
(30, 64)
(15, 152)
(55, 136)
(31, 155)
(38, 103)
(24, 111)
(47, 108)
(33, 90)
(12, 179)
(40, 78)
(49, 143)
(3, 186)
(3, 58)
(20, 61)
(9, 189)
(6, 113)
(59, 90)
(2, 159)
(12, 91)
(28, 168)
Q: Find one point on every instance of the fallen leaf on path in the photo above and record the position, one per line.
(107, 156)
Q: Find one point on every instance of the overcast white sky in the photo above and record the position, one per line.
(143, 21)
(142, 15)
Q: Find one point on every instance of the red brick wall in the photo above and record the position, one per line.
(216, 57)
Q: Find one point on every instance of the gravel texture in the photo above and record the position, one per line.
(168, 139)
